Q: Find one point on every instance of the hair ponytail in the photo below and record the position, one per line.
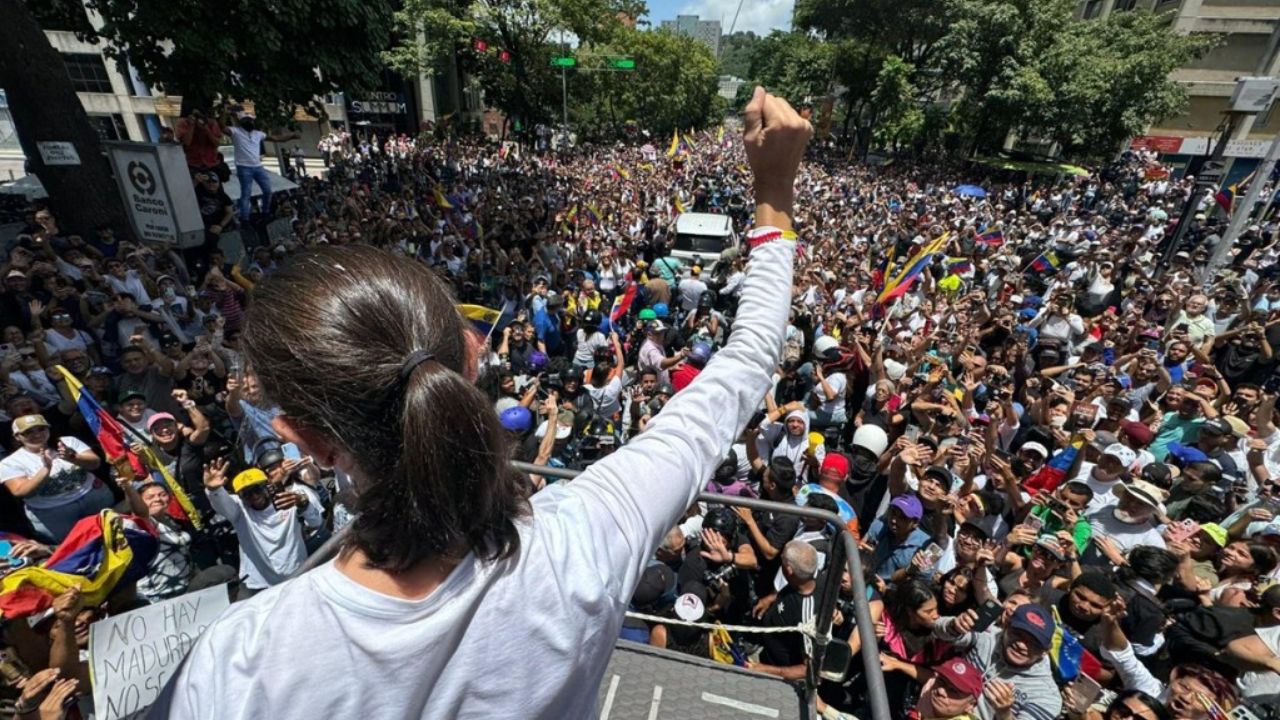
(367, 349)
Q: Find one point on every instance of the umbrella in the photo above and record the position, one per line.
(970, 191)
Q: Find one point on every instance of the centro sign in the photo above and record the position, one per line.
(156, 187)
(380, 103)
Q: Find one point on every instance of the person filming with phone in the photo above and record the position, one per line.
(451, 571)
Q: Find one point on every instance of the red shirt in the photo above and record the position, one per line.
(200, 143)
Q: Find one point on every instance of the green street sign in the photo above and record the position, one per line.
(566, 62)
(622, 63)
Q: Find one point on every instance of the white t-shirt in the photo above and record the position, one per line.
(604, 400)
(837, 382)
(556, 606)
(67, 482)
(79, 340)
(248, 145)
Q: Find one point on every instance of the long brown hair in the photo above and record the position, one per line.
(328, 336)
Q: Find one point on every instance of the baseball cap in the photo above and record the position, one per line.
(1051, 546)
(1160, 474)
(1139, 433)
(1216, 427)
(909, 505)
(130, 394)
(26, 422)
(961, 675)
(1035, 621)
(894, 369)
(248, 478)
(1123, 453)
(564, 425)
(658, 580)
(1216, 533)
(100, 370)
(656, 326)
(836, 464)
(159, 418)
(1239, 427)
(15, 274)
(1185, 454)
(1035, 447)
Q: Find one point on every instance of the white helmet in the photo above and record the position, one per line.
(826, 348)
(872, 438)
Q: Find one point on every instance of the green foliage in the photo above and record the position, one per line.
(794, 65)
(673, 86)
(735, 53)
(894, 97)
(280, 54)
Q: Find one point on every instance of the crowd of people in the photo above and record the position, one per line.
(1059, 458)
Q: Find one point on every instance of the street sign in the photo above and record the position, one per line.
(622, 63)
(566, 62)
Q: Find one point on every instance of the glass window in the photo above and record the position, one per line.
(109, 127)
(88, 72)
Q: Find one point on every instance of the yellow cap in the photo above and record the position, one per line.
(1216, 532)
(248, 478)
(26, 422)
(815, 440)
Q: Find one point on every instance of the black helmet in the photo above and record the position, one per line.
(721, 519)
(591, 319)
(706, 300)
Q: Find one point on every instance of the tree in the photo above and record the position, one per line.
(281, 54)
(794, 65)
(529, 30)
(901, 118)
(673, 86)
(735, 53)
(45, 108)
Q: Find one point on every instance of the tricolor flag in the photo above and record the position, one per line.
(1046, 260)
(1052, 473)
(720, 136)
(99, 553)
(622, 303)
(688, 139)
(675, 143)
(993, 238)
(958, 265)
(111, 436)
(1226, 197)
(481, 318)
(592, 215)
(901, 282)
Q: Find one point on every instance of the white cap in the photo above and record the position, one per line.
(1035, 447)
(1123, 453)
(894, 369)
(872, 438)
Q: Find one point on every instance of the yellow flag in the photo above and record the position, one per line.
(675, 143)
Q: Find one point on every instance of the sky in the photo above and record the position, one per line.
(758, 15)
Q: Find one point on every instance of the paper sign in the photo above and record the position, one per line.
(58, 153)
(132, 656)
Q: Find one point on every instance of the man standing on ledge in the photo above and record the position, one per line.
(451, 572)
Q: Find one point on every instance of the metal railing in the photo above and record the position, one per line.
(844, 553)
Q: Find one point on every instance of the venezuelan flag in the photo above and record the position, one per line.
(958, 265)
(914, 266)
(1051, 475)
(100, 552)
(688, 139)
(1046, 260)
(593, 215)
(675, 143)
(482, 318)
(1226, 197)
(111, 437)
(679, 206)
(622, 303)
(995, 237)
(720, 135)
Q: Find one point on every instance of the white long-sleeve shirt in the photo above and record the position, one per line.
(545, 621)
(271, 541)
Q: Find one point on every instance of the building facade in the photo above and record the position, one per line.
(1248, 33)
(708, 31)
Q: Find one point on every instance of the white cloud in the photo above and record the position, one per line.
(761, 16)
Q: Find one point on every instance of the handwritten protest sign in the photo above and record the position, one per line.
(132, 656)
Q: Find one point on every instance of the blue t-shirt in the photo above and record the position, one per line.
(888, 556)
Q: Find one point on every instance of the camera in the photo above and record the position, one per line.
(715, 579)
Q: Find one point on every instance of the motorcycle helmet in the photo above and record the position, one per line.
(826, 349)
(517, 419)
(872, 438)
(538, 361)
(700, 354)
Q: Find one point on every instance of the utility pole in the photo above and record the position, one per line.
(1210, 177)
(1242, 212)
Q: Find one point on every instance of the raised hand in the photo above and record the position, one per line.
(215, 473)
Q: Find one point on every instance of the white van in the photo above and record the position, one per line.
(704, 236)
